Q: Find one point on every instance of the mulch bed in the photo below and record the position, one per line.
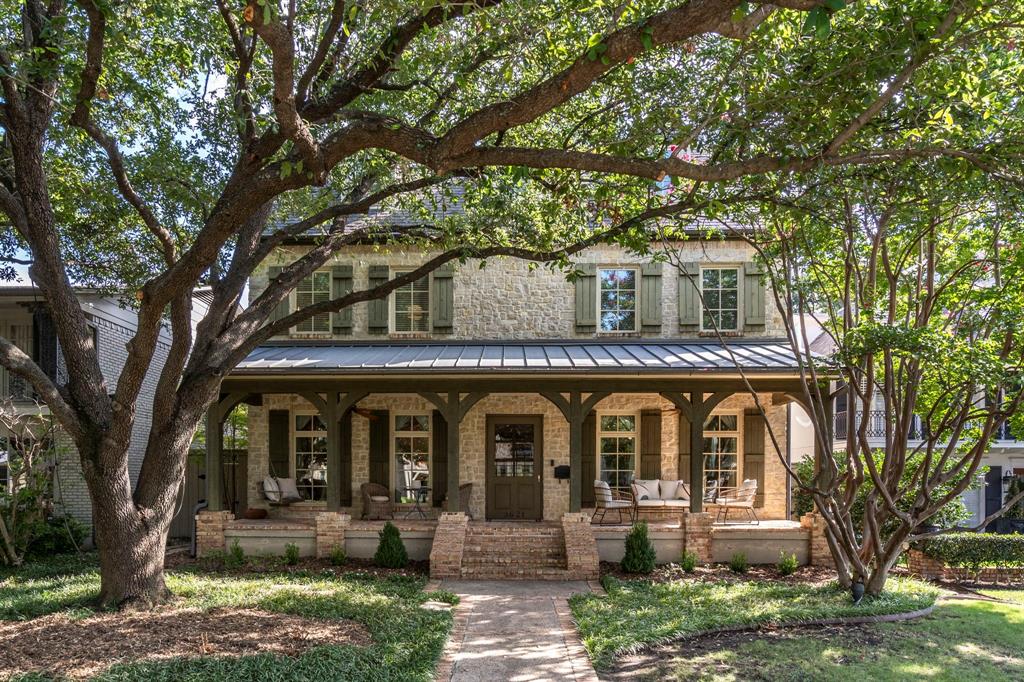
(805, 575)
(656, 662)
(79, 648)
(260, 565)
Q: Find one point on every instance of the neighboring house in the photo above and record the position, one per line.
(25, 321)
(551, 384)
(1004, 461)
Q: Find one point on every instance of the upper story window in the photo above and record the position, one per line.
(616, 299)
(411, 307)
(314, 289)
(719, 288)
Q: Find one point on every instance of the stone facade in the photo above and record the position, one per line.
(449, 542)
(330, 532)
(581, 558)
(472, 456)
(508, 300)
(210, 531)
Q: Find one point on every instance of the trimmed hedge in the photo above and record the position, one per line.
(975, 550)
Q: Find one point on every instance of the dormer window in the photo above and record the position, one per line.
(411, 307)
(616, 300)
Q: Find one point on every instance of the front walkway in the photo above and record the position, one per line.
(516, 631)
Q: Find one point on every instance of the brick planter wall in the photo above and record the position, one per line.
(818, 553)
(581, 558)
(697, 535)
(449, 542)
(210, 531)
(929, 568)
(330, 532)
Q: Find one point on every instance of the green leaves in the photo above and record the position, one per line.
(818, 22)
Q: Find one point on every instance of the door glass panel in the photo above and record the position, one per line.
(513, 450)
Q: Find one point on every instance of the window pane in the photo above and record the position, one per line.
(617, 300)
(728, 277)
(729, 320)
(609, 423)
(627, 423)
(420, 422)
(402, 422)
(710, 278)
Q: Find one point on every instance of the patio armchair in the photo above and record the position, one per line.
(741, 497)
(605, 498)
(465, 494)
(376, 501)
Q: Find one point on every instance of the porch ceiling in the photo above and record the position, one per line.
(660, 358)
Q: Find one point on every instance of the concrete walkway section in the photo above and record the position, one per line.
(518, 631)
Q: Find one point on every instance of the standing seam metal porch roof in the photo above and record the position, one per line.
(509, 357)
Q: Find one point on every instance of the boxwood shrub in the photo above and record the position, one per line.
(975, 550)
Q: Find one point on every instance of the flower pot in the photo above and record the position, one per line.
(255, 514)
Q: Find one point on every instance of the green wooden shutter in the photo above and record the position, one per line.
(439, 428)
(345, 475)
(282, 310)
(586, 300)
(650, 444)
(380, 450)
(278, 443)
(753, 297)
(650, 297)
(341, 285)
(689, 297)
(442, 299)
(378, 307)
(588, 472)
(684, 448)
(753, 452)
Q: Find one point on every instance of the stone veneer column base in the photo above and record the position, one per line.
(449, 541)
(581, 559)
(818, 553)
(697, 535)
(330, 532)
(210, 531)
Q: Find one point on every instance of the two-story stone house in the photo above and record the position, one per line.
(517, 381)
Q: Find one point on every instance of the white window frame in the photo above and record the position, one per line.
(395, 433)
(393, 306)
(636, 301)
(737, 434)
(739, 296)
(294, 463)
(293, 302)
(617, 434)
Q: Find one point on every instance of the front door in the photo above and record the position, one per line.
(514, 465)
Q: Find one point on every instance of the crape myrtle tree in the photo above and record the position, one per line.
(916, 273)
(154, 146)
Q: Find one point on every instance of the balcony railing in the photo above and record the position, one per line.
(876, 421)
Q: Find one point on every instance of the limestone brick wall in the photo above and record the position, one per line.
(507, 300)
(473, 443)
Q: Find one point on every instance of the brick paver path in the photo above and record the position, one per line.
(516, 631)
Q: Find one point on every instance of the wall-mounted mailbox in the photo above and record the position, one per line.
(562, 472)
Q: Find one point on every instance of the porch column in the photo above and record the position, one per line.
(453, 417)
(823, 440)
(214, 466)
(333, 421)
(575, 411)
(697, 453)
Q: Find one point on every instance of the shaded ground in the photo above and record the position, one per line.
(64, 646)
(666, 573)
(962, 641)
(256, 565)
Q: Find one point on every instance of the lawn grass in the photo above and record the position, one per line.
(638, 613)
(1006, 595)
(407, 639)
(961, 641)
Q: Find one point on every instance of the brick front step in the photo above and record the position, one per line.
(510, 573)
(509, 551)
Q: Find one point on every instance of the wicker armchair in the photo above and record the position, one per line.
(376, 501)
(465, 493)
(737, 498)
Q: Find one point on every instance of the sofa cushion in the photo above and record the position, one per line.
(289, 491)
(602, 493)
(650, 503)
(646, 489)
(678, 504)
(271, 490)
(668, 489)
(378, 498)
